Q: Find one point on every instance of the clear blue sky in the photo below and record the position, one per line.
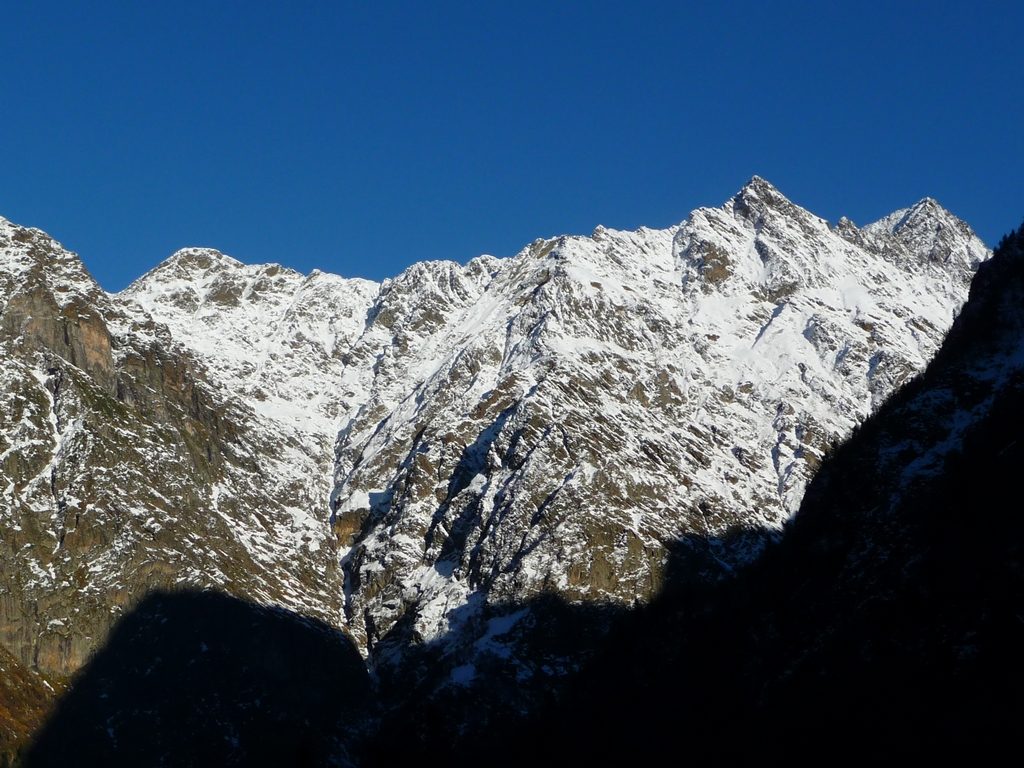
(360, 137)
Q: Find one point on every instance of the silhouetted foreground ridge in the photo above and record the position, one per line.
(202, 679)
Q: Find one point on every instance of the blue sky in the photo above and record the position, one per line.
(360, 137)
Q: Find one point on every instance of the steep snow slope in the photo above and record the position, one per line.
(275, 340)
(267, 334)
(553, 421)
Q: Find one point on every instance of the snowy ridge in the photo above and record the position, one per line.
(269, 334)
(275, 340)
(931, 234)
(548, 422)
(604, 396)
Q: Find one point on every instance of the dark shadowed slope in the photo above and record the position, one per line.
(202, 679)
(889, 620)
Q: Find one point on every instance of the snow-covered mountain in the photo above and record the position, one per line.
(887, 621)
(402, 459)
(552, 422)
(133, 458)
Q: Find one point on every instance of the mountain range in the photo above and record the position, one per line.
(472, 472)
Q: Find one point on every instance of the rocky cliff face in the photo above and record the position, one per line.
(402, 459)
(886, 622)
(130, 464)
(553, 421)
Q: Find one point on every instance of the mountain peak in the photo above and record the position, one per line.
(757, 197)
(29, 255)
(758, 187)
(759, 182)
(188, 264)
(926, 211)
(931, 231)
(200, 259)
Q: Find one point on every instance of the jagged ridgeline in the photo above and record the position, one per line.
(410, 461)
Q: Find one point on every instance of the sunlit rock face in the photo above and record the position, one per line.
(144, 443)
